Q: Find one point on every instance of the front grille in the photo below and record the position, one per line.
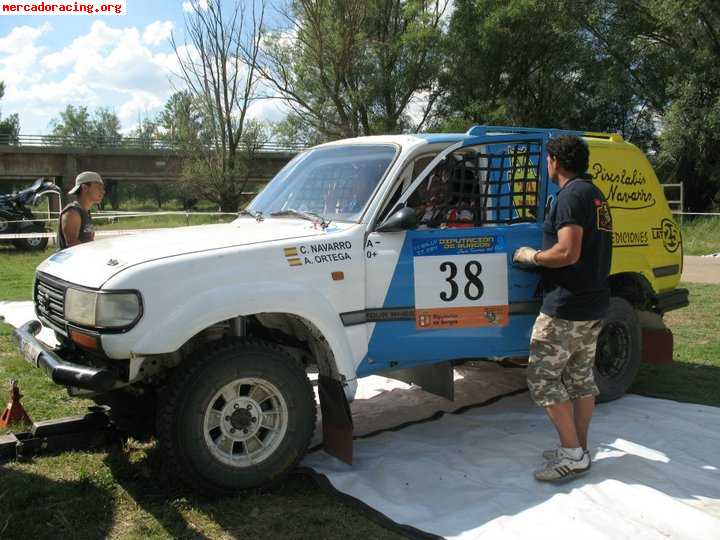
(50, 301)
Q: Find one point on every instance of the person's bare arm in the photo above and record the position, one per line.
(566, 251)
(70, 224)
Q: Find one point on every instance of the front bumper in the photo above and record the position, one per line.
(59, 370)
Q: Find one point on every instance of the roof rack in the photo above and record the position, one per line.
(482, 130)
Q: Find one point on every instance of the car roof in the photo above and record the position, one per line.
(419, 139)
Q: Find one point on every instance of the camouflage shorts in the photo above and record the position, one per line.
(562, 355)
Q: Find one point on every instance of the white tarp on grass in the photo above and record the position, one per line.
(655, 474)
(656, 470)
(17, 313)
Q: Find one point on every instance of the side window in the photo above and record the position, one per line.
(407, 177)
(480, 185)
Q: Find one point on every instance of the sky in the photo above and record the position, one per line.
(124, 63)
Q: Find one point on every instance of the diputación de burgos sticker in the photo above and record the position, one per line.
(460, 282)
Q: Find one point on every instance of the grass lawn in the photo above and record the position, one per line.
(695, 374)
(115, 493)
(154, 222)
(701, 235)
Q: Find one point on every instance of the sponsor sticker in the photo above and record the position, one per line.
(460, 283)
(319, 253)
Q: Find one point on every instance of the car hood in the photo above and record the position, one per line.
(92, 264)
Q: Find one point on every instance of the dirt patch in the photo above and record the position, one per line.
(701, 269)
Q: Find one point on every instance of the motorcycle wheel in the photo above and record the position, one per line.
(31, 244)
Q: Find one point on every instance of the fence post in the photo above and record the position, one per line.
(679, 202)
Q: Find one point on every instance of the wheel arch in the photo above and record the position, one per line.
(282, 308)
(633, 287)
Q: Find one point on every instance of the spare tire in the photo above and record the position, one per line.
(619, 349)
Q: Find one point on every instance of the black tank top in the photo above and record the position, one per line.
(87, 229)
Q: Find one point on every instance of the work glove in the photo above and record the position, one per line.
(525, 257)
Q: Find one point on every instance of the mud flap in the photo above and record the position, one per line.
(657, 339)
(337, 424)
(437, 379)
(657, 346)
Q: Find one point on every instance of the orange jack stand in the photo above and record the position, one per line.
(14, 413)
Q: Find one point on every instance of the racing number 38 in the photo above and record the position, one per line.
(467, 290)
(472, 272)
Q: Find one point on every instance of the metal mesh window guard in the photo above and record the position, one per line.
(482, 185)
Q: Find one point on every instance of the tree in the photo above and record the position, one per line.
(218, 65)
(670, 53)
(180, 123)
(145, 133)
(101, 128)
(158, 192)
(292, 131)
(553, 76)
(10, 126)
(355, 67)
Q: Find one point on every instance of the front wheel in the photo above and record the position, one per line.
(240, 416)
(619, 349)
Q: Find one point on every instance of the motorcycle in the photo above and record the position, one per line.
(16, 217)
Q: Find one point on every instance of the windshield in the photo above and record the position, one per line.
(333, 182)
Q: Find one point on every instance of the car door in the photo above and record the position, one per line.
(448, 290)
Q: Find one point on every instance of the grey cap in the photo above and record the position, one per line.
(86, 177)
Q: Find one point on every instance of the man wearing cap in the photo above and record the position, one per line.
(76, 225)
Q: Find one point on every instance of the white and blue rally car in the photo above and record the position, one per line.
(387, 254)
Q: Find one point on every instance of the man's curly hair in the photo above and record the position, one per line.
(571, 152)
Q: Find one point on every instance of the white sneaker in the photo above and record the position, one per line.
(550, 455)
(563, 468)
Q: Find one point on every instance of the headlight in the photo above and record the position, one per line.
(103, 310)
(80, 306)
(117, 309)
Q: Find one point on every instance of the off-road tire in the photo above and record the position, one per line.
(619, 350)
(185, 400)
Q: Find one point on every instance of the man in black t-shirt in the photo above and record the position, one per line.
(575, 262)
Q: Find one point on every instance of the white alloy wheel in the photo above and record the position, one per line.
(245, 422)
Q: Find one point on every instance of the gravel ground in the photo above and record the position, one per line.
(701, 269)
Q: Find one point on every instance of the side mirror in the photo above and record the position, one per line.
(400, 220)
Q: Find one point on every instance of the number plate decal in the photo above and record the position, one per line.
(460, 282)
(29, 352)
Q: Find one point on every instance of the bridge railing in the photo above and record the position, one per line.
(117, 143)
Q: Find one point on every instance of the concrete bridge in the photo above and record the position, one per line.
(126, 160)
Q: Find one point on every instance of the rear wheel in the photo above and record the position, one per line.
(239, 417)
(619, 349)
(32, 244)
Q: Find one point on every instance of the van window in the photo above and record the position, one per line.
(481, 185)
(409, 174)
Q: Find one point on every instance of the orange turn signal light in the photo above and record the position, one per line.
(84, 340)
(338, 276)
